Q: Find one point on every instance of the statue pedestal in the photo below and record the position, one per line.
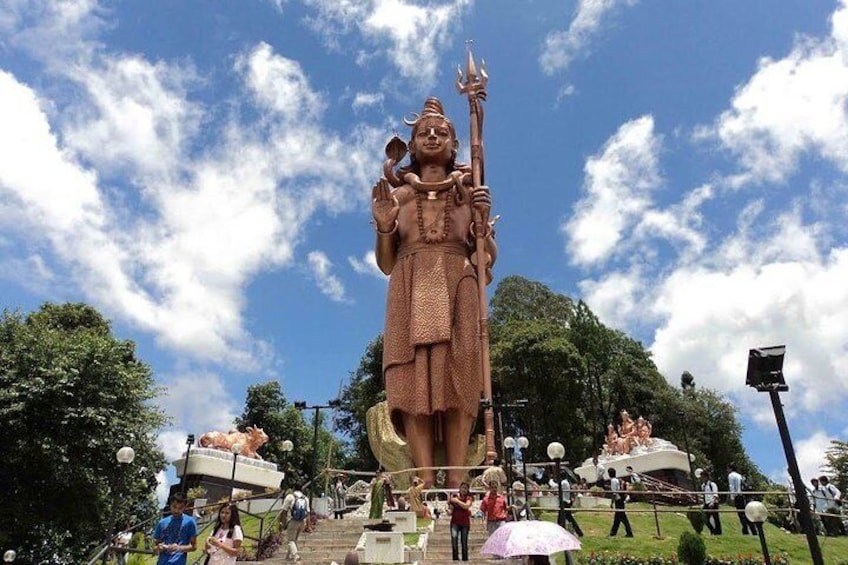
(381, 547)
(665, 457)
(405, 522)
(213, 470)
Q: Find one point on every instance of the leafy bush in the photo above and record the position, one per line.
(691, 549)
(696, 518)
(196, 492)
(779, 559)
(607, 558)
(137, 542)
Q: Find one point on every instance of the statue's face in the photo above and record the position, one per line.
(433, 141)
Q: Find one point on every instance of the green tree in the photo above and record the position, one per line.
(364, 390)
(837, 464)
(71, 395)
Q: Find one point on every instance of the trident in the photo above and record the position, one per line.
(474, 88)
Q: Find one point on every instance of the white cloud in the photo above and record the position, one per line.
(53, 32)
(615, 297)
(413, 35)
(810, 453)
(563, 47)
(322, 271)
(162, 488)
(366, 99)
(198, 402)
(774, 280)
(279, 84)
(136, 115)
(207, 217)
(791, 107)
(619, 182)
(367, 265)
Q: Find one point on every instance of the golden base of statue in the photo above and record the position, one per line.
(393, 453)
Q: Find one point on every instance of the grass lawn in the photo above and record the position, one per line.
(596, 527)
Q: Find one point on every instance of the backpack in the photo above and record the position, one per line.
(299, 511)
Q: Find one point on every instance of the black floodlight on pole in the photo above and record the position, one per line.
(765, 374)
(301, 405)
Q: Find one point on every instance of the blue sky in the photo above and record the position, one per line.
(200, 171)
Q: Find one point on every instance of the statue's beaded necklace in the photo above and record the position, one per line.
(422, 230)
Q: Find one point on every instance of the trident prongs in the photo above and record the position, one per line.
(473, 82)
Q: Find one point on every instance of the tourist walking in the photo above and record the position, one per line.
(494, 508)
(833, 525)
(296, 509)
(339, 497)
(567, 502)
(818, 503)
(460, 523)
(494, 473)
(734, 486)
(224, 544)
(175, 535)
(713, 517)
(618, 502)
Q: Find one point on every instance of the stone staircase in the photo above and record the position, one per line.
(333, 539)
(439, 544)
(330, 541)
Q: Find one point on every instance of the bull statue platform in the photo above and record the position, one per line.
(250, 440)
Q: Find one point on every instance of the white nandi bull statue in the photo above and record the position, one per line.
(251, 440)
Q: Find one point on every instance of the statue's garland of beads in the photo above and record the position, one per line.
(419, 208)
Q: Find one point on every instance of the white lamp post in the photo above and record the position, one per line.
(757, 513)
(509, 452)
(125, 455)
(523, 444)
(286, 446)
(556, 452)
(236, 449)
(9, 556)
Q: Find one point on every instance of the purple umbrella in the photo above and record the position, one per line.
(529, 537)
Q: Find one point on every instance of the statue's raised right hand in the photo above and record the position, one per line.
(384, 206)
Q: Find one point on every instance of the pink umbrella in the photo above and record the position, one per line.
(529, 537)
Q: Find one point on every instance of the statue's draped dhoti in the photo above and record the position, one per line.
(431, 347)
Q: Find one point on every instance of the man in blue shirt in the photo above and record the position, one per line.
(175, 535)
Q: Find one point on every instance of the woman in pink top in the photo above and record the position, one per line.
(224, 545)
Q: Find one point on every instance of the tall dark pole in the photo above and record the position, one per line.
(692, 477)
(765, 374)
(233, 476)
(509, 451)
(189, 443)
(560, 517)
(763, 544)
(312, 479)
(523, 443)
(800, 492)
